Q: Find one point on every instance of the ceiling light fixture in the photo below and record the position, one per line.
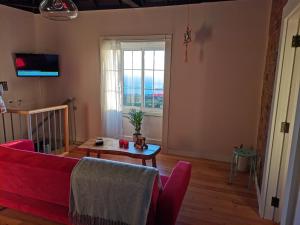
(58, 9)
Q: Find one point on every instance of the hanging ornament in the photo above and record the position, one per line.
(58, 9)
(187, 35)
(187, 40)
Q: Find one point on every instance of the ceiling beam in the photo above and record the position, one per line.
(130, 3)
(33, 5)
(20, 5)
(96, 4)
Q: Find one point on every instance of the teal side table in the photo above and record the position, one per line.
(246, 153)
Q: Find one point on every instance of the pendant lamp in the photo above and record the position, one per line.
(58, 9)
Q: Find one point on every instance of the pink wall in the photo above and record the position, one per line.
(17, 34)
(214, 98)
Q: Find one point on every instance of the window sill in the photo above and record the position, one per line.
(152, 114)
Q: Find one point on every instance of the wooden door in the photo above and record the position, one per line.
(286, 98)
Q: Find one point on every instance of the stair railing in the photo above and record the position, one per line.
(72, 120)
(49, 133)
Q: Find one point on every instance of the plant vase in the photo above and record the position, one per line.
(136, 137)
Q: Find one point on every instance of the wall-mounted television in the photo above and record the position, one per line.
(37, 65)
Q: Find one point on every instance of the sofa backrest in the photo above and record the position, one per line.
(35, 175)
(20, 144)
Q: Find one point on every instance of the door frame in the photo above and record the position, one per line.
(271, 175)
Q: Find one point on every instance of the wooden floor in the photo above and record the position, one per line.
(210, 200)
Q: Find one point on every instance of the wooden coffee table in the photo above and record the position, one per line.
(111, 146)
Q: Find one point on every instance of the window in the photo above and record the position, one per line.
(143, 69)
(135, 73)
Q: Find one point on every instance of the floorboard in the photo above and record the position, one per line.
(210, 200)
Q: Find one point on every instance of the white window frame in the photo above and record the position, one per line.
(167, 78)
(155, 47)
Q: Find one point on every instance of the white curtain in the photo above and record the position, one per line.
(111, 89)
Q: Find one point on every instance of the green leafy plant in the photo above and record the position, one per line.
(136, 118)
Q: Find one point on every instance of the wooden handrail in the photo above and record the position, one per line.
(35, 111)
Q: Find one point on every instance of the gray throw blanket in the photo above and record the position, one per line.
(105, 192)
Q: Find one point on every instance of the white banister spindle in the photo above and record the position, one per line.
(49, 132)
(29, 127)
(43, 128)
(54, 122)
(20, 126)
(12, 126)
(37, 133)
(60, 131)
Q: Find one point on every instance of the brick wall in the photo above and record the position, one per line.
(269, 78)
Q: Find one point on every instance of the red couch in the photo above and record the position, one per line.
(38, 184)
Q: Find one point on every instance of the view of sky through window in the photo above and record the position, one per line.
(143, 72)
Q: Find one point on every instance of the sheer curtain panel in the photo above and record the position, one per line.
(111, 88)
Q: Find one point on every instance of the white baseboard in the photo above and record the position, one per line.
(201, 155)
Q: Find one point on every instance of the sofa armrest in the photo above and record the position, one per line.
(171, 198)
(26, 145)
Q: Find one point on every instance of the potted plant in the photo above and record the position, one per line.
(136, 118)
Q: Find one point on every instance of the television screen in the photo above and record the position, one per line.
(36, 65)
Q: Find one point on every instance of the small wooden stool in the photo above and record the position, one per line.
(246, 153)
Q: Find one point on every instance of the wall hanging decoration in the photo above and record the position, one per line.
(187, 35)
(58, 9)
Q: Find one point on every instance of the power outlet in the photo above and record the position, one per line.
(4, 85)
